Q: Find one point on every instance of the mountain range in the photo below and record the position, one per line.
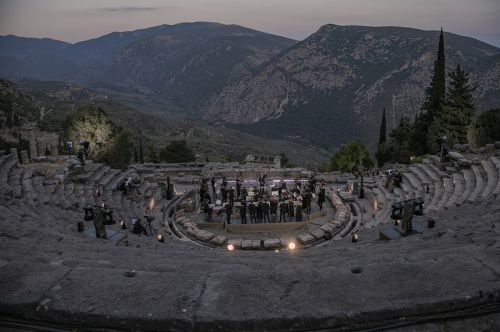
(324, 90)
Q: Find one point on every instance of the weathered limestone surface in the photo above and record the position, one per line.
(51, 274)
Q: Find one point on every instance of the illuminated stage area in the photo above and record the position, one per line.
(184, 269)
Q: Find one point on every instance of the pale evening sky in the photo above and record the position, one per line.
(76, 20)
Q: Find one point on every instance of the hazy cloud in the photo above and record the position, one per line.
(127, 9)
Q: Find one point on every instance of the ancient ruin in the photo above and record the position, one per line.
(334, 271)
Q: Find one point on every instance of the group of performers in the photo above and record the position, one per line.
(260, 204)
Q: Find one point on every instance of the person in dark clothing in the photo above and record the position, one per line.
(313, 184)
(203, 189)
(244, 194)
(307, 201)
(291, 209)
(298, 212)
(297, 184)
(274, 206)
(262, 182)
(243, 212)
(229, 211)
(207, 210)
(224, 194)
(321, 197)
(253, 210)
(206, 198)
(223, 190)
(259, 211)
(265, 211)
(138, 228)
(231, 196)
(169, 189)
(283, 210)
(238, 187)
(212, 181)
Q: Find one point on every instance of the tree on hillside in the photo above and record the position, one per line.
(152, 155)
(456, 113)
(285, 162)
(177, 152)
(383, 129)
(382, 154)
(108, 142)
(136, 156)
(350, 157)
(92, 124)
(486, 128)
(435, 95)
(120, 151)
(141, 152)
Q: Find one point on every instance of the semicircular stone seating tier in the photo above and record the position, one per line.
(464, 179)
(53, 200)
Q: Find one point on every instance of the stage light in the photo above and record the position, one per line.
(230, 247)
(354, 237)
(291, 245)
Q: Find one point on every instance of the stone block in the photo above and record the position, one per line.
(306, 239)
(204, 235)
(218, 240)
(190, 225)
(272, 243)
(318, 233)
(235, 242)
(246, 244)
(24, 157)
(13, 152)
(192, 231)
(182, 221)
(256, 244)
(328, 228)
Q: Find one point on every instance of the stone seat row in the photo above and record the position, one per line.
(448, 190)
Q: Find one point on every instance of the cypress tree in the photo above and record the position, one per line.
(383, 129)
(141, 152)
(9, 121)
(136, 156)
(435, 95)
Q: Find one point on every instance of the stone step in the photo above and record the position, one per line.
(419, 176)
(470, 184)
(459, 187)
(412, 180)
(436, 197)
(480, 184)
(492, 176)
(448, 188)
(496, 162)
(432, 172)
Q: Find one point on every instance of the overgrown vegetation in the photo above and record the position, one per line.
(177, 152)
(109, 143)
(486, 128)
(351, 157)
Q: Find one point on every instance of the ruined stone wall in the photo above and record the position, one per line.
(40, 141)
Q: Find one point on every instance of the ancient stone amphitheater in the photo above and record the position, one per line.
(53, 277)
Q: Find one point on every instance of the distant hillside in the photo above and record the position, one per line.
(332, 86)
(322, 91)
(59, 99)
(183, 64)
